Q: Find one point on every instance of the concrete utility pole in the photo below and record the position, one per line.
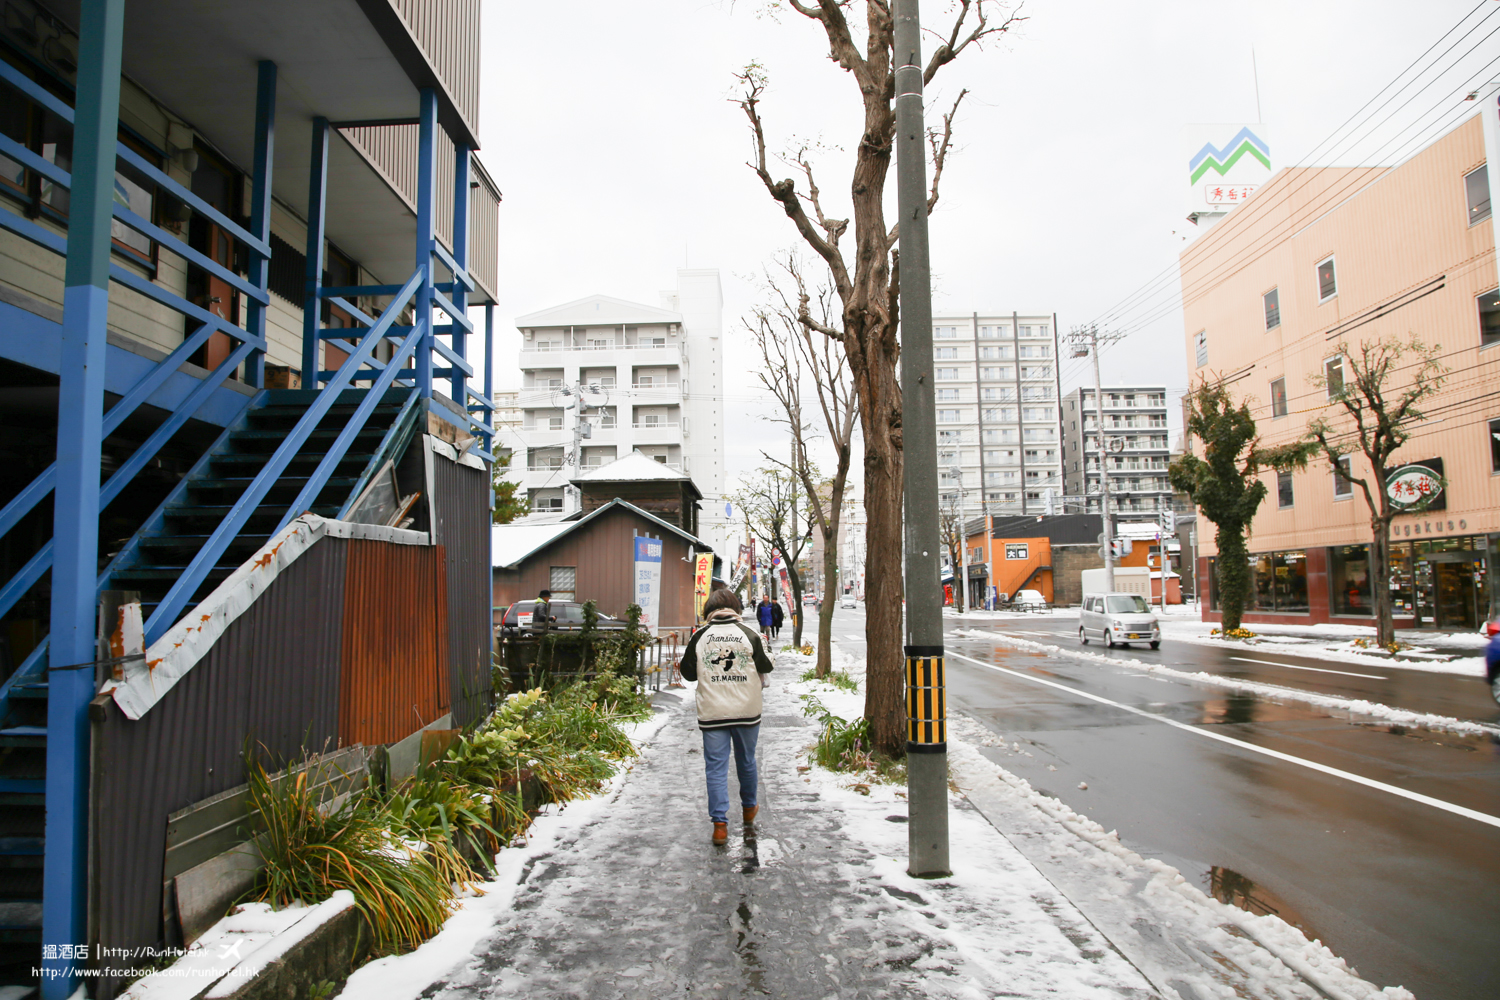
(963, 550)
(927, 726)
(1086, 340)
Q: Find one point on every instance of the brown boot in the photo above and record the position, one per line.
(750, 812)
(721, 834)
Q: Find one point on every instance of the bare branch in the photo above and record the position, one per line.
(957, 41)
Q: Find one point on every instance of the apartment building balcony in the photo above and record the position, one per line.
(657, 430)
(547, 355)
(654, 391)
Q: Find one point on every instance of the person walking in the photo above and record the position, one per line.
(734, 668)
(777, 617)
(766, 616)
(541, 615)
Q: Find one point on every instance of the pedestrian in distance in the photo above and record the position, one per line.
(541, 615)
(777, 617)
(730, 664)
(766, 617)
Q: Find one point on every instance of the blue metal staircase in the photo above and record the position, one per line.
(156, 561)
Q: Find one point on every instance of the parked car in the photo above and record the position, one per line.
(848, 601)
(1118, 619)
(567, 616)
(1028, 600)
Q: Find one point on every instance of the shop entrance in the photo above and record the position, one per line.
(1452, 590)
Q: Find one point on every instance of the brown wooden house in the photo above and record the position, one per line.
(595, 552)
(648, 485)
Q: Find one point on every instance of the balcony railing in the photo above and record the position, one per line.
(535, 348)
(648, 386)
(665, 425)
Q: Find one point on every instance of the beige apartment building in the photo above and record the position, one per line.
(1320, 257)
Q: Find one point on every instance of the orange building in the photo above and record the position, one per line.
(1320, 257)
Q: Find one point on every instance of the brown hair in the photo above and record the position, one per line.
(722, 598)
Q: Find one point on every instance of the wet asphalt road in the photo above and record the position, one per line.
(1405, 891)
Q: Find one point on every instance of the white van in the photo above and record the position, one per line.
(1118, 618)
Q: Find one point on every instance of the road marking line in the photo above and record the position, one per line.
(1321, 670)
(1357, 779)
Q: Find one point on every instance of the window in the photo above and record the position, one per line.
(1200, 348)
(1283, 490)
(1349, 579)
(554, 423)
(1495, 445)
(1333, 375)
(948, 416)
(1342, 487)
(946, 374)
(947, 395)
(945, 332)
(1477, 193)
(1272, 300)
(1278, 582)
(1328, 285)
(1278, 397)
(1489, 318)
(563, 582)
(945, 353)
(644, 381)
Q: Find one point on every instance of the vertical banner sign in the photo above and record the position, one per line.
(786, 589)
(703, 572)
(648, 581)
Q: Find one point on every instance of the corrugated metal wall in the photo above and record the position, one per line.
(394, 664)
(273, 678)
(393, 151)
(448, 32)
(484, 233)
(461, 500)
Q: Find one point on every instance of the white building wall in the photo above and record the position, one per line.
(700, 300)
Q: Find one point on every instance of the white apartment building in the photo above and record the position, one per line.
(997, 388)
(602, 377)
(1136, 449)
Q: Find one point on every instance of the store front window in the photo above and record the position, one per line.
(1349, 580)
(1278, 582)
(1441, 582)
(1403, 600)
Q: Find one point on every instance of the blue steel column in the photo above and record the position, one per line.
(489, 369)
(80, 418)
(460, 295)
(260, 212)
(312, 302)
(426, 233)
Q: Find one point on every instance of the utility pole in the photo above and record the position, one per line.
(963, 547)
(1086, 341)
(927, 725)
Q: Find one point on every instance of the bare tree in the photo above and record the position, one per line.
(866, 279)
(1376, 421)
(794, 356)
(773, 502)
(951, 533)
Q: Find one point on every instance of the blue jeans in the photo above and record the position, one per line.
(716, 745)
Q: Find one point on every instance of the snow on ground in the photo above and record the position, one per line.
(406, 976)
(1336, 643)
(1169, 929)
(1356, 710)
(1209, 948)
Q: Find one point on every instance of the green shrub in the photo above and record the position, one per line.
(311, 851)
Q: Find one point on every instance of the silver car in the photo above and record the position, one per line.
(1118, 619)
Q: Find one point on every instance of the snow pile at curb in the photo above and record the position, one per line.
(1214, 948)
(1368, 710)
(404, 977)
(1335, 643)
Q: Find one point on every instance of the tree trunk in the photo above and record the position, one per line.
(795, 611)
(825, 610)
(1380, 578)
(880, 421)
(1233, 567)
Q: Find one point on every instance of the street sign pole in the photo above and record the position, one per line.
(926, 735)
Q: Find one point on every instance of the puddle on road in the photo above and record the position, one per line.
(1233, 709)
(1229, 886)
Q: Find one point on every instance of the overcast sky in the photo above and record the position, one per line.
(612, 131)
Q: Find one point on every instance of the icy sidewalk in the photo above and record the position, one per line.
(811, 903)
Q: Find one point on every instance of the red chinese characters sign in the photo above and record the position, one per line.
(1418, 486)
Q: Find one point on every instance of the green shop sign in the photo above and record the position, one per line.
(1417, 486)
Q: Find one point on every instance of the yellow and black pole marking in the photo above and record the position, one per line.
(926, 700)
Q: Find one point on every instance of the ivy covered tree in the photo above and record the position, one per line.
(1226, 485)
